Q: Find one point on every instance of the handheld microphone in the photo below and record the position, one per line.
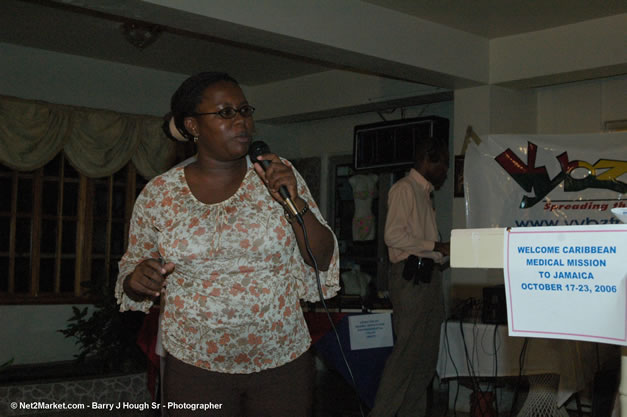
(258, 148)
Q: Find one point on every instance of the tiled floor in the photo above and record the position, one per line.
(333, 398)
(336, 398)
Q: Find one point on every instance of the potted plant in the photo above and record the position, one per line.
(107, 338)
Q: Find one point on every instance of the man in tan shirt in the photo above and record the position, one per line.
(418, 304)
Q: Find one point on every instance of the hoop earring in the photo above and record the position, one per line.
(195, 139)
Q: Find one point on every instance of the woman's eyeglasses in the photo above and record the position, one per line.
(230, 112)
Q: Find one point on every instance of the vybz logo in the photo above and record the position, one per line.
(576, 175)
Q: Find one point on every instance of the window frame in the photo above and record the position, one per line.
(83, 221)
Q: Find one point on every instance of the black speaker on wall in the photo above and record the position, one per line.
(390, 144)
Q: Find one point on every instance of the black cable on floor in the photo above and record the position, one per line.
(324, 304)
(521, 364)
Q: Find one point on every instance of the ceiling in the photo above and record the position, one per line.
(59, 27)
(497, 18)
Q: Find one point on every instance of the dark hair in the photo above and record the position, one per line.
(188, 96)
(432, 146)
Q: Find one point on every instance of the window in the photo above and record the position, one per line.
(59, 228)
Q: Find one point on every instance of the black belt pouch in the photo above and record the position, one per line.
(418, 269)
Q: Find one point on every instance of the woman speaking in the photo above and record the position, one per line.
(214, 240)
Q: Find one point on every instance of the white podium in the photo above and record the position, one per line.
(483, 248)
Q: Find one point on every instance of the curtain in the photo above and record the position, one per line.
(97, 142)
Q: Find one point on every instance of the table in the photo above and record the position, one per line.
(366, 365)
(485, 350)
(483, 248)
(556, 368)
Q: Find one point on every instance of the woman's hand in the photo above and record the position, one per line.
(147, 280)
(277, 174)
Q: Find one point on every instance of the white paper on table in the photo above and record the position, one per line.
(368, 331)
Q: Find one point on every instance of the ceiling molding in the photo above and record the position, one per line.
(363, 108)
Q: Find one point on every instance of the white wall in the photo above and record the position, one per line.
(581, 107)
(68, 79)
(30, 334)
(579, 51)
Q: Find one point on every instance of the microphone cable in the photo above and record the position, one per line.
(450, 355)
(301, 222)
(258, 148)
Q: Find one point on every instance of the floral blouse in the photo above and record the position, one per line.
(232, 303)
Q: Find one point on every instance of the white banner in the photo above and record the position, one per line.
(567, 282)
(545, 180)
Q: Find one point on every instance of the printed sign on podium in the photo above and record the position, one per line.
(567, 282)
